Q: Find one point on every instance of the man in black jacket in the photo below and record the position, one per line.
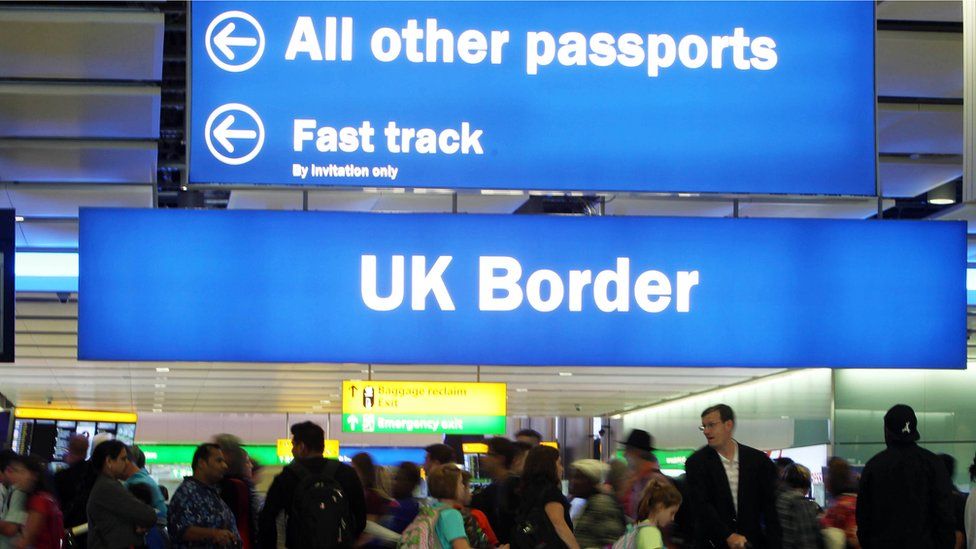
(732, 488)
(308, 445)
(905, 496)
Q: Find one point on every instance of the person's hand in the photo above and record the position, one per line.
(736, 541)
(224, 537)
(20, 543)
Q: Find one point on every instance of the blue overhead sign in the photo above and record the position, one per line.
(713, 97)
(537, 290)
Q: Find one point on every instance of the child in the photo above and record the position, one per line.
(658, 505)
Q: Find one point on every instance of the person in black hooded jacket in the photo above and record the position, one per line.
(905, 494)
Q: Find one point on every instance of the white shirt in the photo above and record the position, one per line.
(731, 467)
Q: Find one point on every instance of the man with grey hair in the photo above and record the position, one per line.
(137, 474)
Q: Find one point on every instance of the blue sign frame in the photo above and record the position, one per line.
(261, 286)
(729, 97)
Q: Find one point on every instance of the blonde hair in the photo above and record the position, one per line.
(658, 491)
(443, 482)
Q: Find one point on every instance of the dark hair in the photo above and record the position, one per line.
(840, 479)
(78, 445)
(233, 453)
(443, 482)
(137, 456)
(503, 448)
(950, 465)
(203, 453)
(783, 462)
(165, 491)
(6, 457)
(797, 476)
(441, 453)
(529, 433)
(108, 449)
(658, 491)
(309, 434)
(38, 467)
(540, 466)
(363, 464)
(724, 411)
(520, 448)
(406, 480)
(972, 470)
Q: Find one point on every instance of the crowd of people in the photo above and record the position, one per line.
(730, 496)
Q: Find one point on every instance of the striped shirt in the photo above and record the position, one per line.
(732, 473)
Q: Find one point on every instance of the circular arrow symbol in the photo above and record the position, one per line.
(229, 139)
(229, 43)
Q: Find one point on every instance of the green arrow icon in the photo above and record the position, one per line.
(352, 421)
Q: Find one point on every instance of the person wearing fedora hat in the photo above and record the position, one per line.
(643, 465)
(732, 488)
(905, 494)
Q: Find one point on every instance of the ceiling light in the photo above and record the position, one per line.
(18, 218)
(521, 390)
(326, 401)
(616, 416)
(335, 395)
(943, 195)
(364, 371)
(157, 410)
(160, 385)
(565, 374)
(316, 407)
(162, 370)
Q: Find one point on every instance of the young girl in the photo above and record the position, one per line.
(45, 525)
(658, 505)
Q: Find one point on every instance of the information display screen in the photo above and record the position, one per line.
(48, 438)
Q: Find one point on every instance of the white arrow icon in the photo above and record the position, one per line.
(224, 134)
(224, 41)
(220, 43)
(219, 135)
(352, 421)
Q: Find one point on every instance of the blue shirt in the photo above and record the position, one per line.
(450, 525)
(196, 504)
(158, 502)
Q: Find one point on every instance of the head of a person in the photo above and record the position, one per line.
(530, 436)
(782, 463)
(518, 461)
(659, 502)
(130, 467)
(840, 478)
(307, 440)
(901, 425)
(464, 498)
(718, 424)
(234, 453)
(77, 449)
(542, 466)
(498, 461)
(110, 458)
(6, 457)
(639, 452)
(28, 474)
(445, 483)
(619, 478)
(585, 477)
(405, 480)
(365, 470)
(796, 477)
(209, 465)
(436, 456)
(972, 470)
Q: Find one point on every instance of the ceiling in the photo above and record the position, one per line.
(86, 123)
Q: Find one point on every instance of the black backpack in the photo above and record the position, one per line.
(534, 530)
(320, 508)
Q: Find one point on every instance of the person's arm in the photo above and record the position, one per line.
(35, 520)
(356, 497)
(9, 529)
(554, 510)
(122, 504)
(767, 485)
(198, 533)
(16, 514)
(450, 523)
(971, 518)
(943, 517)
(268, 517)
(708, 517)
(861, 510)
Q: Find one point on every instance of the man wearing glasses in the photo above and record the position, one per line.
(732, 487)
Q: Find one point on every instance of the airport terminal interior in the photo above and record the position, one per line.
(582, 224)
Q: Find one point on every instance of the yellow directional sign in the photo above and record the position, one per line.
(284, 449)
(423, 398)
(423, 407)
